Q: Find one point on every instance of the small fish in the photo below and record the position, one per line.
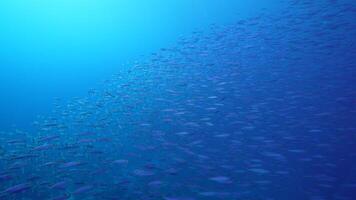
(60, 185)
(221, 179)
(83, 189)
(120, 162)
(140, 172)
(17, 188)
(71, 164)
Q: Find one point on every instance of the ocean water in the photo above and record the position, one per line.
(178, 100)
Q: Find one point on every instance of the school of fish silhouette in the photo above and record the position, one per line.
(263, 108)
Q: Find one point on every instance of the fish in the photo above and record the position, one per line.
(17, 188)
(83, 189)
(221, 179)
(61, 185)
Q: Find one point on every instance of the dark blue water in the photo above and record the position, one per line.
(178, 100)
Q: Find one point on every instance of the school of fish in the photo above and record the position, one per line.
(261, 109)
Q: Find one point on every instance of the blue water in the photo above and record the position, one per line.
(63, 48)
(178, 100)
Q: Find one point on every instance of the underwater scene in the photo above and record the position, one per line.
(178, 100)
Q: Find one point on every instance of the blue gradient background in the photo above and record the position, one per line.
(62, 48)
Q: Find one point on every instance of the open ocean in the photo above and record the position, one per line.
(177, 100)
